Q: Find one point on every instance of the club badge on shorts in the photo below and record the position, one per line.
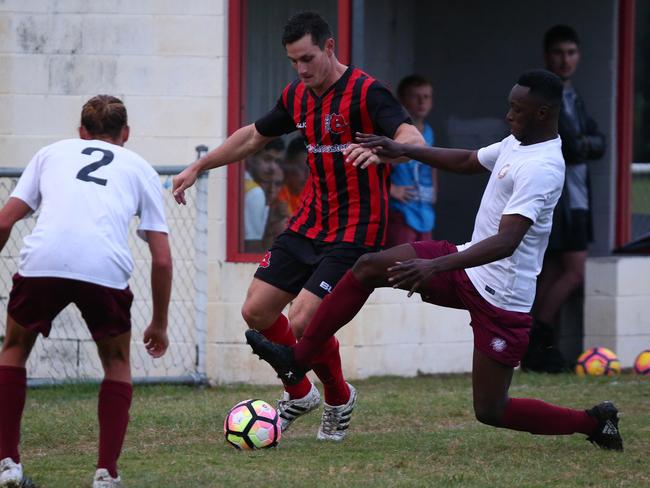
(498, 344)
(266, 260)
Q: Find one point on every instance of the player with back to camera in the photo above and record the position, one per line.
(493, 276)
(87, 190)
(343, 210)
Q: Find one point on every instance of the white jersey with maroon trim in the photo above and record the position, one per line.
(87, 191)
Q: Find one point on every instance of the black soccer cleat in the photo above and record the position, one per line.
(280, 357)
(606, 435)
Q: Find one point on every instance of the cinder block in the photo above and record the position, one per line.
(17, 151)
(124, 34)
(383, 324)
(629, 347)
(238, 276)
(56, 116)
(632, 317)
(77, 74)
(633, 274)
(21, 73)
(170, 35)
(225, 324)
(38, 33)
(195, 76)
(399, 359)
(447, 357)
(600, 315)
(177, 117)
(234, 363)
(601, 277)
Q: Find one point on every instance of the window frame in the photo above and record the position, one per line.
(237, 11)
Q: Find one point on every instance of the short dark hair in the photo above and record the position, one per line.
(304, 23)
(295, 147)
(560, 33)
(544, 84)
(411, 81)
(104, 115)
(276, 144)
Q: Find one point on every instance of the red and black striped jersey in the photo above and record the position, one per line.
(340, 203)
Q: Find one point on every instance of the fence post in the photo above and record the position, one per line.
(201, 269)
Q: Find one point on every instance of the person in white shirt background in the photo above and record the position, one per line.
(87, 191)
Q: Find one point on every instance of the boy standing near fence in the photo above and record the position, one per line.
(87, 190)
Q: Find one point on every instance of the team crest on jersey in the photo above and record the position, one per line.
(503, 171)
(266, 260)
(335, 123)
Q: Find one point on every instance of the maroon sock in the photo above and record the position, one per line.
(13, 390)
(327, 367)
(280, 333)
(337, 309)
(539, 417)
(113, 413)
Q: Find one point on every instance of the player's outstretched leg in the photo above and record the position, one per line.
(492, 406)
(279, 356)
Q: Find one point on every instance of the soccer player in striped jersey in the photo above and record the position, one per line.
(343, 211)
(492, 276)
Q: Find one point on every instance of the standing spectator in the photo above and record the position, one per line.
(88, 190)
(296, 171)
(413, 185)
(279, 213)
(564, 263)
(260, 167)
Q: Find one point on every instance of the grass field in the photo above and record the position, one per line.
(405, 432)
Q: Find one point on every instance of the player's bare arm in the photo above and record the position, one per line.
(155, 336)
(454, 160)
(411, 274)
(364, 157)
(14, 210)
(242, 143)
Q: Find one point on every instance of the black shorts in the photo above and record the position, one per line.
(570, 235)
(295, 262)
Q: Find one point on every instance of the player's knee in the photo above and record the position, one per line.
(253, 316)
(488, 415)
(367, 268)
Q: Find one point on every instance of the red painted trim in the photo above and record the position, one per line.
(344, 31)
(624, 120)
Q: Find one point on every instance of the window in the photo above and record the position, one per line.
(641, 135)
(264, 190)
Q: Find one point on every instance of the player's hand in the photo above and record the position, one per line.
(382, 146)
(156, 340)
(403, 193)
(360, 156)
(183, 181)
(412, 274)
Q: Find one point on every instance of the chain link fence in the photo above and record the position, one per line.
(69, 353)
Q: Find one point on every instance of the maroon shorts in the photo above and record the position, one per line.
(499, 334)
(34, 302)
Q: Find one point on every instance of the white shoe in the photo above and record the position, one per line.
(336, 419)
(289, 410)
(103, 479)
(11, 474)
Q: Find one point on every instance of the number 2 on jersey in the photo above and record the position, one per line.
(84, 173)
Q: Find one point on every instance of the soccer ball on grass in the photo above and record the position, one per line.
(642, 363)
(252, 424)
(598, 361)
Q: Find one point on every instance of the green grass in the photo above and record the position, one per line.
(405, 432)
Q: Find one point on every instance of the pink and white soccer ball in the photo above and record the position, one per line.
(252, 424)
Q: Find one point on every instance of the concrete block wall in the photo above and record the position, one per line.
(616, 305)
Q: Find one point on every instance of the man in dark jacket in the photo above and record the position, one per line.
(564, 263)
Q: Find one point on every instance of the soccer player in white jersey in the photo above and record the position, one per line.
(493, 276)
(87, 190)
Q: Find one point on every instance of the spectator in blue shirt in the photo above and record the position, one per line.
(413, 185)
